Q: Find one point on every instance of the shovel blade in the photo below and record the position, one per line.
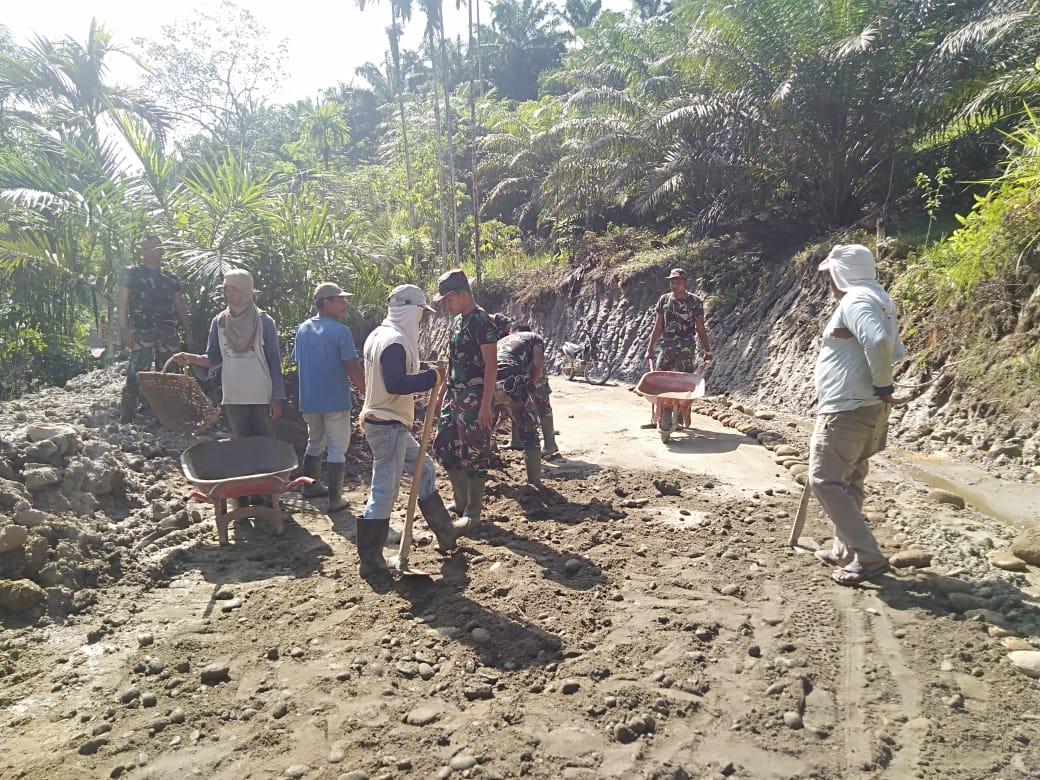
(402, 567)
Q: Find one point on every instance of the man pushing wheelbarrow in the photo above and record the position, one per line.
(677, 327)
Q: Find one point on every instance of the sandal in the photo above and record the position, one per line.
(855, 574)
(828, 557)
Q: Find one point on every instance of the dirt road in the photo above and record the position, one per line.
(640, 618)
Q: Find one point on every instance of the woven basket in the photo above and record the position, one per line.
(177, 400)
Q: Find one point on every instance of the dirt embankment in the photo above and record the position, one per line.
(764, 319)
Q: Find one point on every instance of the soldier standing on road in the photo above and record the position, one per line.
(393, 374)
(521, 362)
(854, 386)
(678, 324)
(149, 306)
(463, 442)
(327, 359)
(542, 410)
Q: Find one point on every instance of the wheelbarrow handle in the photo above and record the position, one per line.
(297, 482)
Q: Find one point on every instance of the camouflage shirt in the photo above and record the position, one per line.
(516, 354)
(679, 336)
(150, 298)
(467, 334)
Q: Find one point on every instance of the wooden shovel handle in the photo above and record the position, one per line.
(436, 397)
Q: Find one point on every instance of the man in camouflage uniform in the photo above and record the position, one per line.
(463, 441)
(521, 362)
(149, 305)
(680, 318)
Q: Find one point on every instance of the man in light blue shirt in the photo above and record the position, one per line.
(854, 389)
(327, 358)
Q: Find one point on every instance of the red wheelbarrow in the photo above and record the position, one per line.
(232, 468)
(675, 386)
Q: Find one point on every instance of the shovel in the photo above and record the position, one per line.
(799, 519)
(400, 561)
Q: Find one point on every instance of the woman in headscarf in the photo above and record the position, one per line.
(243, 343)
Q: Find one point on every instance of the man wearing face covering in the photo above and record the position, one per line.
(854, 386)
(243, 344)
(392, 376)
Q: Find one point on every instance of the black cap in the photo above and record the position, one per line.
(451, 281)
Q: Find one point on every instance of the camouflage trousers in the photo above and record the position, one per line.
(514, 395)
(150, 354)
(684, 360)
(540, 398)
(461, 444)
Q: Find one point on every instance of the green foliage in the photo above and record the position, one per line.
(933, 190)
(1000, 234)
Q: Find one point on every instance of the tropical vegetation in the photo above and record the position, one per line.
(678, 118)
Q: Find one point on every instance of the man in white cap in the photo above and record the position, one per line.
(327, 358)
(393, 376)
(243, 344)
(854, 386)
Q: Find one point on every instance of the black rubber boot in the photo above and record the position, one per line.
(371, 538)
(440, 522)
(334, 473)
(460, 489)
(474, 501)
(533, 463)
(549, 448)
(312, 469)
(128, 403)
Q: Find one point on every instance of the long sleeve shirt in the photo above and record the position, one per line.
(859, 347)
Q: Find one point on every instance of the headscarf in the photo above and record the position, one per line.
(851, 265)
(240, 322)
(405, 320)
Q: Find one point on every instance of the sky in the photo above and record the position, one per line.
(326, 39)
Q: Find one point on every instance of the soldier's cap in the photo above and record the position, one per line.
(408, 295)
(451, 282)
(677, 273)
(503, 322)
(329, 290)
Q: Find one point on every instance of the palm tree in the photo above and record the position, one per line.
(434, 37)
(581, 14)
(525, 39)
(67, 81)
(326, 129)
(400, 13)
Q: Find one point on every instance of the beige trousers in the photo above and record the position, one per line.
(841, 446)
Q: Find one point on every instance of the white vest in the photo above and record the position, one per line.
(378, 402)
(245, 377)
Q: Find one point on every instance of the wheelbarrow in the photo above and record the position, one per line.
(675, 386)
(233, 468)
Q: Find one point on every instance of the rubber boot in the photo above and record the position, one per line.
(474, 501)
(440, 522)
(549, 448)
(460, 489)
(312, 469)
(334, 472)
(533, 462)
(128, 404)
(514, 439)
(371, 538)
